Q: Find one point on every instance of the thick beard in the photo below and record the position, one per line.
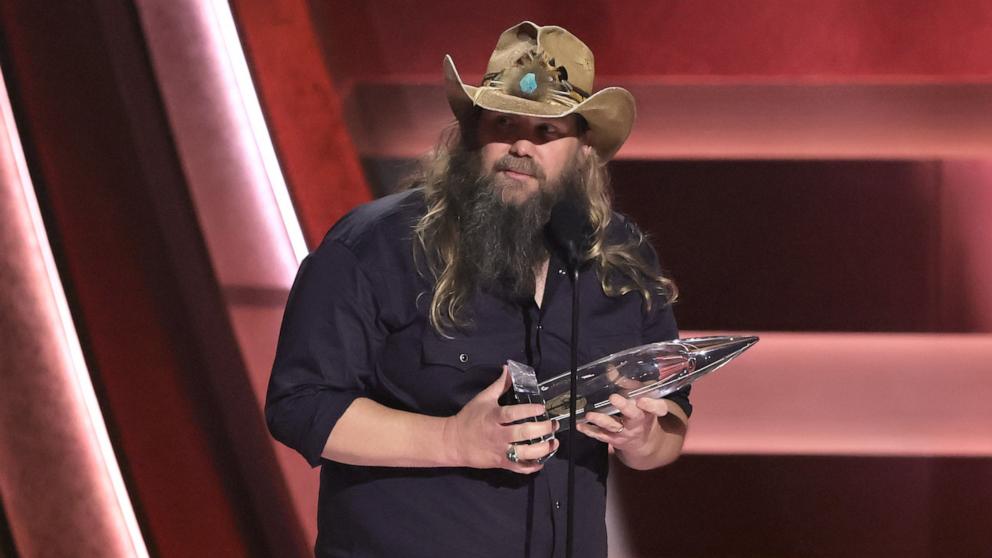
(501, 244)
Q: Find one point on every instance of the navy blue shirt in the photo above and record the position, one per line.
(356, 326)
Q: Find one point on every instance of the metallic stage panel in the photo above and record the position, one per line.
(60, 482)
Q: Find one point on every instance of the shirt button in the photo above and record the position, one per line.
(557, 505)
(540, 326)
(463, 358)
(561, 271)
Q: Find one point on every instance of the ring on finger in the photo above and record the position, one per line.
(511, 454)
(620, 420)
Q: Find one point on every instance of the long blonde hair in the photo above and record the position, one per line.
(621, 268)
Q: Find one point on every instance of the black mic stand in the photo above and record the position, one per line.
(570, 232)
(572, 396)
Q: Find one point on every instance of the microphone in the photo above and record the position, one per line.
(570, 232)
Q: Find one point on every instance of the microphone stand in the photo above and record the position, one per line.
(572, 396)
(570, 231)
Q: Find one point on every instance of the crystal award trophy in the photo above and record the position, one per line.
(652, 370)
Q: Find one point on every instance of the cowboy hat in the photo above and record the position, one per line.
(545, 71)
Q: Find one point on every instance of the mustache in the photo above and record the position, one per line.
(524, 165)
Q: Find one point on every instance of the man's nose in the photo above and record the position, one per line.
(522, 147)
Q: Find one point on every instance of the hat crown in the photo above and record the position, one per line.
(557, 43)
(544, 72)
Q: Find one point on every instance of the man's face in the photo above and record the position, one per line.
(525, 154)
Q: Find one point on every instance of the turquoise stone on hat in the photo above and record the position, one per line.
(528, 83)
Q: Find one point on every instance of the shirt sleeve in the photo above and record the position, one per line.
(325, 356)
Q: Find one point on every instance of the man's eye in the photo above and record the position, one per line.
(503, 122)
(549, 131)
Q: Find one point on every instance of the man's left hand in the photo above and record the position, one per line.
(634, 429)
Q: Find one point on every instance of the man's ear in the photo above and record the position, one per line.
(586, 149)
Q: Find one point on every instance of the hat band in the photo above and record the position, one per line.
(568, 96)
(535, 76)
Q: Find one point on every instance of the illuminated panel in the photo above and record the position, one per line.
(396, 119)
(849, 394)
(68, 452)
(250, 228)
(238, 190)
(256, 124)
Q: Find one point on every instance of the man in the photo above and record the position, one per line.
(389, 368)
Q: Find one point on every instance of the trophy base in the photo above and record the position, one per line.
(525, 390)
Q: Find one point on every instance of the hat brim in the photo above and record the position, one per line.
(609, 112)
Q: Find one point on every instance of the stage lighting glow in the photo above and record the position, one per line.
(79, 372)
(260, 134)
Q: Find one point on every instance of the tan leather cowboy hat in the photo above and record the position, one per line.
(545, 71)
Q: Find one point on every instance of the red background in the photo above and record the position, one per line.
(761, 233)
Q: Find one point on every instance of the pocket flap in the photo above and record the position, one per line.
(466, 353)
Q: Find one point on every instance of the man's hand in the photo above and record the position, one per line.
(480, 434)
(647, 432)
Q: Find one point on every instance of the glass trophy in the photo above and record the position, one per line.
(652, 370)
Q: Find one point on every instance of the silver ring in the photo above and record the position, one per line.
(511, 454)
(621, 429)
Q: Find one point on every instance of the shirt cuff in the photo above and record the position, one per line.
(681, 398)
(304, 423)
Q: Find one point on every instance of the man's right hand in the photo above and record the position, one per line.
(481, 433)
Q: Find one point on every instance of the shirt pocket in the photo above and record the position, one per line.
(468, 354)
(458, 369)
